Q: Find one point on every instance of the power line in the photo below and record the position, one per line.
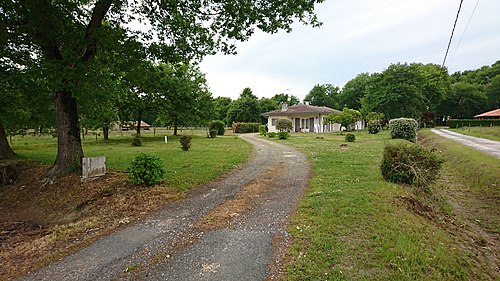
(461, 37)
(452, 31)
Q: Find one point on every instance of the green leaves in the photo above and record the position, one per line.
(146, 170)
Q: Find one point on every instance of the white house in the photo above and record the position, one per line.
(305, 118)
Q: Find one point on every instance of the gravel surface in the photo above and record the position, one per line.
(229, 229)
(490, 147)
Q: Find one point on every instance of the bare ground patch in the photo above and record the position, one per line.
(222, 215)
(42, 222)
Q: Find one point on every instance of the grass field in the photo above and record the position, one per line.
(492, 133)
(352, 224)
(206, 159)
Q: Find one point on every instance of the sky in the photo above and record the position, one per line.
(358, 36)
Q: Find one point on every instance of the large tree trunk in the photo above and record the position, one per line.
(6, 151)
(105, 131)
(139, 120)
(69, 145)
(175, 125)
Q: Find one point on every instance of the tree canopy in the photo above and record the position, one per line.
(69, 41)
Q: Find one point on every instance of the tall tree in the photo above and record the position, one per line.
(282, 98)
(396, 92)
(221, 105)
(464, 101)
(354, 90)
(183, 95)
(324, 95)
(245, 109)
(267, 105)
(66, 36)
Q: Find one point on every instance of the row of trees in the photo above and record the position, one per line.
(421, 91)
(81, 51)
(248, 107)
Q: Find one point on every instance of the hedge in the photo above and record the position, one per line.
(458, 123)
(241, 128)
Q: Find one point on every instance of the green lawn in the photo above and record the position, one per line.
(350, 224)
(206, 160)
(492, 133)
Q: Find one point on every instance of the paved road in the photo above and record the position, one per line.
(488, 146)
(230, 229)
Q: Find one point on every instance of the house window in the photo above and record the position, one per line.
(273, 121)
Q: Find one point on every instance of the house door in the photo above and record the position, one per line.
(311, 124)
(297, 125)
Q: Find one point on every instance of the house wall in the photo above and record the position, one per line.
(304, 122)
(319, 126)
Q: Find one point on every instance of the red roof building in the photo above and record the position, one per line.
(494, 114)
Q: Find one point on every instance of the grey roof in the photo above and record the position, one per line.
(300, 108)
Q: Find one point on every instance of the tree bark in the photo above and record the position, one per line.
(175, 125)
(6, 151)
(69, 145)
(139, 120)
(105, 132)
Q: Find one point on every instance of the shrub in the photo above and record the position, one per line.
(404, 128)
(185, 142)
(458, 123)
(218, 126)
(263, 130)
(374, 127)
(271, 134)
(410, 164)
(146, 170)
(283, 135)
(283, 124)
(350, 137)
(241, 128)
(212, 133)
(137, 141)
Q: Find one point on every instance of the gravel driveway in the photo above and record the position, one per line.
(229, 229)
(490, 147)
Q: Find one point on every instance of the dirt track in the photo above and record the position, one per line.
(230, 229)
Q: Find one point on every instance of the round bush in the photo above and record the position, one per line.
(213, 133)
(263, 130)
(284, 125)
(404, 128)
(185, 142)
(217, 125)
(146, 170)
(350, 137)
(374, 127)
(410, 163)
(283, 135)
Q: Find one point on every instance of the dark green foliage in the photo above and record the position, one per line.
(241, 127)
(410, 164)
(350, 137)
(374, 127)
(404, 128)
(245, 109)
(283, 135)
(324, 95)
(458, 123)
(212, 133)
(137, 141)
(146, 170)
(263, 130)
(185, 142)
(283, 124)
(217, 125)
(271, 134)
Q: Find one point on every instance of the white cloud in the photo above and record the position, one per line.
(357, 36)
